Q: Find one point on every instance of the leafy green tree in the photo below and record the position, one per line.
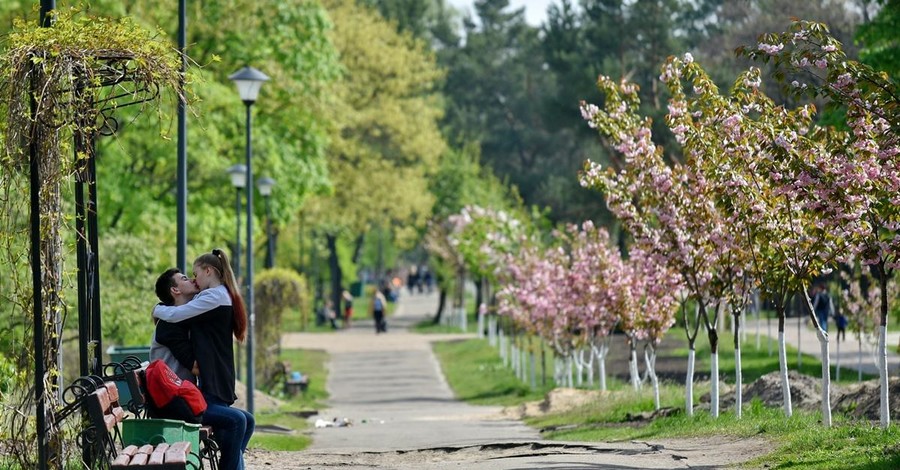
(385, 138)
(881, 46)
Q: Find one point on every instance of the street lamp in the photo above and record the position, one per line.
(265, 185)
(238, 175)
(248, 81)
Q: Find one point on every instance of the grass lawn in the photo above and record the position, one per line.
(474, 371)
(291, 414)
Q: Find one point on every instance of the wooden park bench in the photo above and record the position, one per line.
(135, 379)
(105, 414)
(292, 384)
(145, 442)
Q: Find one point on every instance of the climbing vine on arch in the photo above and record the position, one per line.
(59, 90)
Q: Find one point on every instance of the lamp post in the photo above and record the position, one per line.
(238, 174)
(265, 185)
(248, 81)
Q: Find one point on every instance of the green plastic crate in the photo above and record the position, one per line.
(154, 431)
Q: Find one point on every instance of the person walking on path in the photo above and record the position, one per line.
(215, 316)
(348, 307)
(822, 306)
(377, 309)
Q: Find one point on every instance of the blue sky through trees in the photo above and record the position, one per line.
(535, 10)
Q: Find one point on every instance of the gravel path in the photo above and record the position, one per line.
(404, 416)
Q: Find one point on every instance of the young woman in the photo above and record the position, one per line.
(214, 316)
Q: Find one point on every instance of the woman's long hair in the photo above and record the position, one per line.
(218, 260)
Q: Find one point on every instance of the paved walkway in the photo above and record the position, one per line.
(851, 356)
(404, 415)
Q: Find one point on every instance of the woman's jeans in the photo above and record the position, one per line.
(232, 428)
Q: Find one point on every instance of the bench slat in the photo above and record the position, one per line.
(178, 452)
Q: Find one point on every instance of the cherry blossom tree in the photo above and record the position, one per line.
(670, 212)
(778, 176)
(859, 302)
(593, 288)
(815, 65)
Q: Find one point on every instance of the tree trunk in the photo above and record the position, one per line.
(714, 360)
(859, 357)
(837, 360)
(479, 294)
(650, 360)
(442, 302)
(782, 363)
(357, 248)
(882, 348)
(689, 381)
(822, 336)
(632, 366)
(738, 376)
(335, 268)
(600, 352)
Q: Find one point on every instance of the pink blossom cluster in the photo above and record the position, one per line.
(581, 287)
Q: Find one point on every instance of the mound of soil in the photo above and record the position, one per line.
(806, 391)
(558, 400)
(860, 400)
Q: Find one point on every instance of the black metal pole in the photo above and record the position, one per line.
(93, 257)
(36, 284)
(251, 320)
(182, 145)
(270, 248)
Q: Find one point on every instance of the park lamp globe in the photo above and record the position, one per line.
(248, 81)
(238, 175)
(265, 185)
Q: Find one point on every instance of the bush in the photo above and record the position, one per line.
(276, 290)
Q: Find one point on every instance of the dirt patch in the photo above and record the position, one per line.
(261, 400)
(557, 401)
(861, 401)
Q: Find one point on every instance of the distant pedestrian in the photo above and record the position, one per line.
(841, 322)
(348, 307)
(429, 280)
(377, 309)
(822, 305)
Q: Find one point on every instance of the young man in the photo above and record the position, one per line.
(171, 342)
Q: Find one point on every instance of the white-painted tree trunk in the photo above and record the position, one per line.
(785, 383)
(738, 383)
(859, 359)
(514, 358)
(600, 352)
(799, 343)
(481, 323)
(837, 359)
(714, 385)
(826, 377)
(558, 372)
(689, 383)
(883, 377)
(524, 365)
(579, 365)
(633, 369)
(533, 370)
(569, 371)
(589, 364)
(758, 328)
(650, 361)
(463, 320)
(492, 331)
(502, 343)
(769, 334)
